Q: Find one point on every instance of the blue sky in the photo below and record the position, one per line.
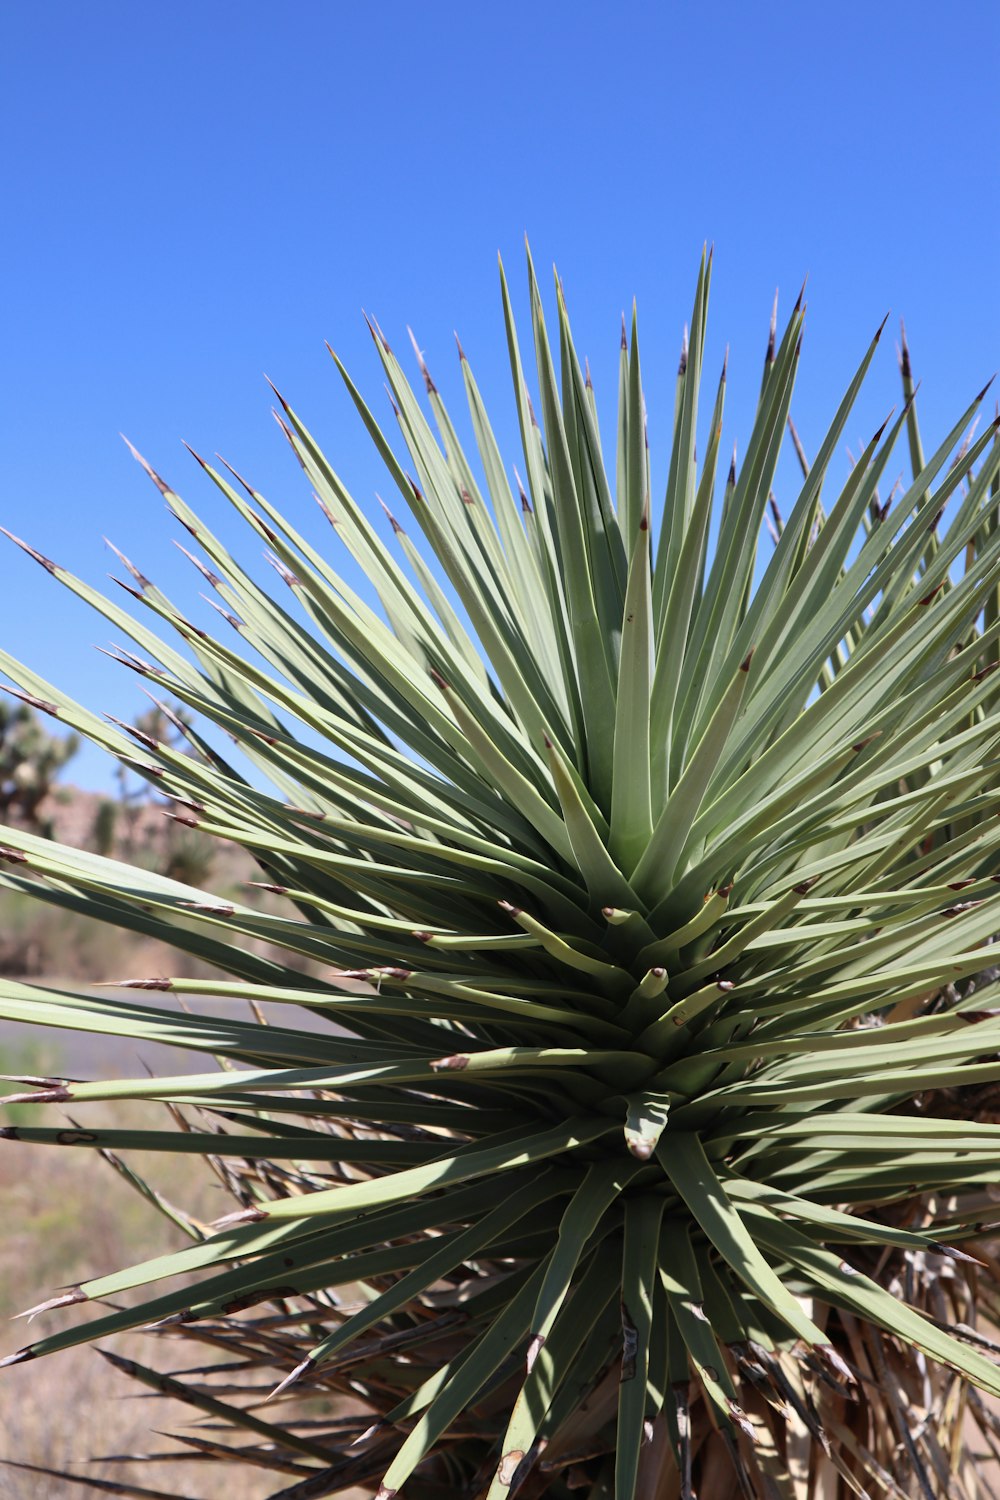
(198, 193)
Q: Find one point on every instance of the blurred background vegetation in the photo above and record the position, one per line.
(46, 1197)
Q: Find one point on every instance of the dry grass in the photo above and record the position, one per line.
(68, 1216)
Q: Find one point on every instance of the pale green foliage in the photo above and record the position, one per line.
(642, 873)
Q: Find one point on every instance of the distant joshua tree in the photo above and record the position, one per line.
(30, 761)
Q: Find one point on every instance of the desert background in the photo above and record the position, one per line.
(72, 1214)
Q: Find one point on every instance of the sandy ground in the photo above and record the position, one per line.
(64, 1216)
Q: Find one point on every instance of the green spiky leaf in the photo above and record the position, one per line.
(614, 1046)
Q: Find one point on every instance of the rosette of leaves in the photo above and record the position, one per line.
(608, 1141)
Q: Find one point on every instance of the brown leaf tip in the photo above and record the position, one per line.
(187, 820)
(252, 1215)
(44, 1096)
(829, 1353)
(397, 528)
(163, 487)
(745, 663)
(741, 1419)
(955, 1254)
(880, 431)
(18, 1358)
(39, 557)
(68, 1299)
(431, 387)
(300, 1369)
(305, 812)
(126, 562)
(884, 321)
(206, 572)
(41, 704)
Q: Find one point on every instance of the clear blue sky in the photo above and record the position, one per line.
(198, 193)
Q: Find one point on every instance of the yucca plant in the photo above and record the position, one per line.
(635, 1128)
